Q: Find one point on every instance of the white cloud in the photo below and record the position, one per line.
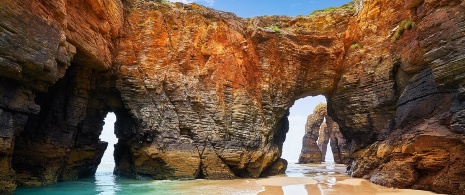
(208, 2)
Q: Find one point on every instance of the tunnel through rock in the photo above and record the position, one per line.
(62, 143)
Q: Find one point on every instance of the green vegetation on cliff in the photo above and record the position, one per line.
(350, 7)
(404, 25)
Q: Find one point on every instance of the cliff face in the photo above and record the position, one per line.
(211, 90)
(206, 87)
(43, 112)
(399, 99)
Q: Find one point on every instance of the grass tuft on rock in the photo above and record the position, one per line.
(346, 7)
(404, 25)
(355, 46)
(274, 28)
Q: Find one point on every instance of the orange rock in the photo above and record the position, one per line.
(190, 83)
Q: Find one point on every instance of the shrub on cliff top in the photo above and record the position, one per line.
(273, 27)
(404, 25)
(346, 7)
(355, 46)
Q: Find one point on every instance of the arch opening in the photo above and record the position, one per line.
(61, 143)
(107, 164)
(313, 136)
(105, 180)
(298, 115)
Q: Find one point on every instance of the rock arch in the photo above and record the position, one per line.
(189, 81)
(62, 143)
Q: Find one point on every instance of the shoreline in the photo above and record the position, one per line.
(328, 179)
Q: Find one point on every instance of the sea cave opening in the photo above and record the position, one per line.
(107, 163)
(104, 176)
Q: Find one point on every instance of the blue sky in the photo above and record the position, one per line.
(250, 8)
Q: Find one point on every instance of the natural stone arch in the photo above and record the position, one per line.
(62, 143)
(374, 90)
(197, 102)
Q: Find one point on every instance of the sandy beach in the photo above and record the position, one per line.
(299, 179)
(314, 179)
(325, 180)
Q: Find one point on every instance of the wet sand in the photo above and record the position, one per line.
(311, 179)
(299, 180)
(325, 180)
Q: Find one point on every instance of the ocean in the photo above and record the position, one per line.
(325, 178)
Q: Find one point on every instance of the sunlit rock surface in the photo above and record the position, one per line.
(200, 93)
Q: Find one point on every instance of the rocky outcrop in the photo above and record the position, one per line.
(399, 86)
(339, 145)
(211, 90)
(42, 110)
(311, 153)
(206, 87)
(278, 167)
(320, 130)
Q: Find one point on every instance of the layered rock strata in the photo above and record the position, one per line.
(399, 98)
(311, 153)
(320, 130)
(47, 129)
(211, 90)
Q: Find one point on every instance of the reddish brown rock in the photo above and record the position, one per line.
(180, 81)
(277, 168)
(39, 41)
(206, 88)
(323, 140)
(390, 87)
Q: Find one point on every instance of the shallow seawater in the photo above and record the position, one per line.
(327, 179)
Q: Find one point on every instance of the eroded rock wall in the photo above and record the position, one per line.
(212, 90)
(38, 42)
(399, 94)
(187, 83)
(311, 153)
(61, 143)
(207, 86)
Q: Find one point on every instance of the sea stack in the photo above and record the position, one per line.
(321, 130)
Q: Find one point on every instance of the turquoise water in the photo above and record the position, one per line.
(327, 179)
(299, 179)
(105, 183)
